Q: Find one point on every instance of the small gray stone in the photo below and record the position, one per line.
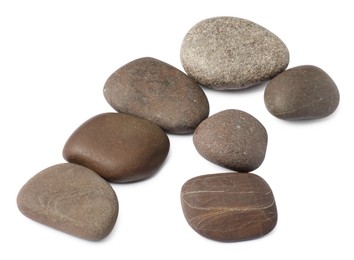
(229, 207)
(157, 91)
(118, 147)
(303, 92)
(233, 139)
(232, 53)
(72, 199)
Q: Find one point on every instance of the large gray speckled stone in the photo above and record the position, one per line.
(154, 90)
(72, 199)
(232, 53)
(233, 139)
(229, 207)
(303, 92)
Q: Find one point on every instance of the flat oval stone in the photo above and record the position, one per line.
(233, 139)
(232, 53)
(157, 91)
(303, 92)
(119, 147)
(229, 207)
(72, 199)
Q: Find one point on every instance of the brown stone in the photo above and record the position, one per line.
(119, 147)
(303, 92)
(233, 139)
(72, 199)
(157, 91)
(229, 206)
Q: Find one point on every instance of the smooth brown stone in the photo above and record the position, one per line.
(233, 139)
(154, 90)
(229, 207)
(72, 199)
(230, 53)
(119, 147)
(303, 92)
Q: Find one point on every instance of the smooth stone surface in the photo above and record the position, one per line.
(72, 199)
(304, 92)
(119, 147)
(232, 53)
(157, 91)
(229, 206)
(233, 139)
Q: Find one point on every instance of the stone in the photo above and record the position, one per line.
(303, 92)
(72, 199)
(229, 207)
(232, 139)
(154, 90)
(230, 53)
(119, 147)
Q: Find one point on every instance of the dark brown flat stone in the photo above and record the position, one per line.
(304, 92)
(229, 206)
(154, 90)
(233, 139)
(119, 147)
(72, 199)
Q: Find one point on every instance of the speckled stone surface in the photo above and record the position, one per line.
(119, 147)
(72, 199)
(233, 139)
(232, 53)
(303, 92)
(157, 91)
(229, 207)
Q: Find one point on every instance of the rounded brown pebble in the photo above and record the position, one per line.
(304, 92)
(157, 91)
(233, 139)
(230, 53)
(119, 147)
(72, 199)
(229, 207)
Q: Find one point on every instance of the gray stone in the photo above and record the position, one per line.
(119, 147)
(232, 53)
(157, 91)
(233, 139)
(229, 206)
(72, 199)
(303, 92)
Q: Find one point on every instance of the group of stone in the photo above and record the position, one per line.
(152, 98)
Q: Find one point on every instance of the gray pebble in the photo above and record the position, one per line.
(232, 53)
(304, 92)
(157, 91)
(233, 139)
(72, 199)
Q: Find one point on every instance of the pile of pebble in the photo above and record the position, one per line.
(153, 98)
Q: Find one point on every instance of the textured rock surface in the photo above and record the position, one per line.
(233, 139)
(72, 199)
(232, 53)
(119, 147)
(229, 206)
(157, 91)
(304, 92)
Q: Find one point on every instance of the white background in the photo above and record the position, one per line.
(55, 57)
